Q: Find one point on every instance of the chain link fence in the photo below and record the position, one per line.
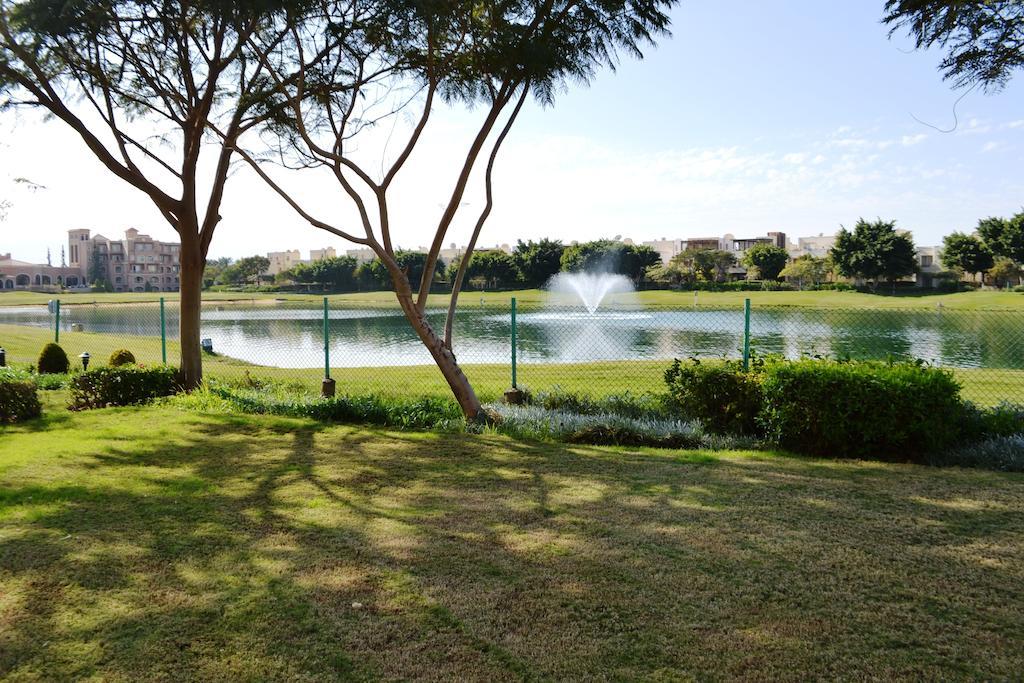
(369, 347)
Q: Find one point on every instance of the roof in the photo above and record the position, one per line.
(24, 264)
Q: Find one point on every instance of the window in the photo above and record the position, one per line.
(926, 261)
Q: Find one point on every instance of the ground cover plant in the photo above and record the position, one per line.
(154, 543)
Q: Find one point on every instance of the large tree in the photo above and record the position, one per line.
(768, 259)
(1004, 236)
(143, 83)
(983, 39)
(406, 57)
(966, 253)
(610, 256)
(493, 267)
(538, 261)
(874, 251)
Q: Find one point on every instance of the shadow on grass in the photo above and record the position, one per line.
(274, 548)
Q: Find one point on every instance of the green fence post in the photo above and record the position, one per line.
(163, 332)
(56, 324)
(328, 385)
(514, 343)
(746, 334)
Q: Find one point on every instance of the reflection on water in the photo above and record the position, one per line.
(290, 335)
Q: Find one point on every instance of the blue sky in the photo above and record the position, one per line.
(755, 116)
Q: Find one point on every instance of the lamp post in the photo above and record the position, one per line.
(85, 360)
(3, 358)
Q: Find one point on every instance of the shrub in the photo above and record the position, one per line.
(403, 413)
(53, 360)
(124, 386)
(1004, 419)
(721, 395)
(893, 411)
(18, 400)
(1003, 453)
(121, 357)
(42, 382)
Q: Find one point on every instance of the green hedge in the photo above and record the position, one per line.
(18, 400)
(123, 386)
(721, 395)
(898, 411)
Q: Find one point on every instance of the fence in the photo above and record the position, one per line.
(369, 347)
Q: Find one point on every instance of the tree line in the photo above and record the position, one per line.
(531, 264)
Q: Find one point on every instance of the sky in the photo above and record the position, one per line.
(756, 115)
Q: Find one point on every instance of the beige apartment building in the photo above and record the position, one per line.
(136, 263)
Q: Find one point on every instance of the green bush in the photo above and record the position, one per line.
(627, 404)
(892, 411)
(721, 395)
(124, 386)
(53, 360)
(121, 357)
(1001, 453)
(1004, 419)
(18, 400)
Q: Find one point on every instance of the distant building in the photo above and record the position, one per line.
(667, 249)
(818, 247)
(135, 264)
(929, 264)
(23, 275)
(281, 261)
(321, 254)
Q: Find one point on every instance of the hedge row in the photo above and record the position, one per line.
(121, 386)
(874, 410)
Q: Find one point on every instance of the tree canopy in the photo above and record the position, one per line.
(610, 256)
(1004, 236)
(966, 253)
(874, 251)
(539, 261)
(983, 39)
(768, 259)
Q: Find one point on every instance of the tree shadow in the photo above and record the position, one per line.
(276, 548)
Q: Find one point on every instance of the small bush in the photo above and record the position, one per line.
(121, 357)
(897, 411)
(53, 360)
(978, 424)
(18, 400)
(124, 386)
(721, 395)
(42, 382)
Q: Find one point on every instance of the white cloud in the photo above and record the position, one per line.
(910, 140)
(990, 146)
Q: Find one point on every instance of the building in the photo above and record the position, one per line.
(321, 254)
(137, 263)
(929, 264)
(281, 261)
(39, 276)
(667, 249)
(818, 247)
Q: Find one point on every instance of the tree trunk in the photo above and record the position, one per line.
(191, 289)
(442, 355)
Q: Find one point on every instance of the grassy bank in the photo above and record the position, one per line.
(983, 386)
(152, 544)
(980, 300)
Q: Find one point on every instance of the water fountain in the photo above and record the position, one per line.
(590, 289)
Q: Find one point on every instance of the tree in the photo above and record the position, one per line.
(213, 272)
(116, 71)
(966, 253)
(768, 259)
(1004, 236)
(874, 251)
(246, 270)
(376, 274)
(610, 256)
(1004, 272)
(402, 57)
(539, 261)
(97, 275)
(338, 273)
(983, 39)
(493, 266)
(807, 269)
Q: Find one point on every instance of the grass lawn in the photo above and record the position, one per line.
(154, 544)
(531, 298)
(983, 386)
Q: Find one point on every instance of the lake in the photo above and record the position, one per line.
(291, 335)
